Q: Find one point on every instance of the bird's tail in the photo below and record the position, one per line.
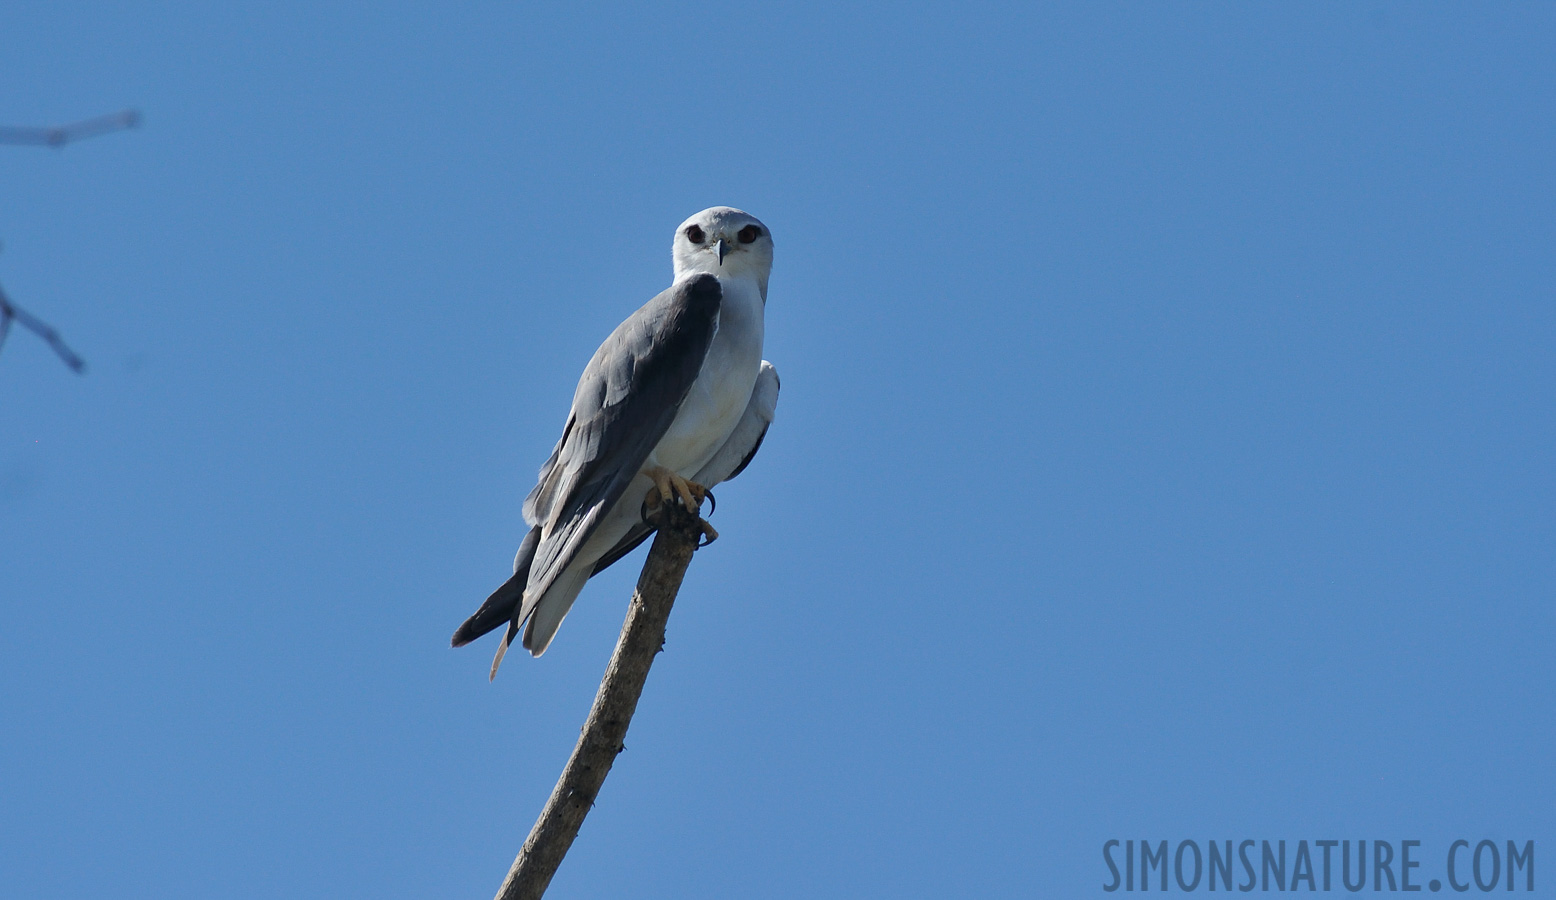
(545, 618)
(506, 600)
(551, 609)
(502, 648)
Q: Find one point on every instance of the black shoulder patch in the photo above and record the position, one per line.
(703, 292)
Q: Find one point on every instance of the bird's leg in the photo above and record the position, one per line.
(668, 485)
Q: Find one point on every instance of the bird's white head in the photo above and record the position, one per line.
(725, 242)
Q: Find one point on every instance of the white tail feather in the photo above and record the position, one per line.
(553, 607)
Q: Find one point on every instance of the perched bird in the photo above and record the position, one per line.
(676, 400)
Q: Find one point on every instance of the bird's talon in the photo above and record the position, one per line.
(688, 498)
(708, 535)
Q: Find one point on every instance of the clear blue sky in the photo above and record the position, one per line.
(1165, 448)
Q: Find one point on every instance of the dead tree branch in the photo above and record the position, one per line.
(10, 312)
(642, 636)
(55, 136)
(60, 135)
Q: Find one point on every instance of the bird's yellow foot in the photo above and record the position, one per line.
(668, 484)
(690, 493)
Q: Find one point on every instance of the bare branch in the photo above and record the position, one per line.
(642, 636)
(10, 312)
(57, 136)
(60, 135)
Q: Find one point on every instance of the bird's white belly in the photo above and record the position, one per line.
(723, 388)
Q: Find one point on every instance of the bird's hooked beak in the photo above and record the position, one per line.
(721, 248)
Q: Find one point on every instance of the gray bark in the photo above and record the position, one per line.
(642, 636)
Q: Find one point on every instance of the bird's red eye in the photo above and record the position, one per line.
(695, 235)
(749, 234)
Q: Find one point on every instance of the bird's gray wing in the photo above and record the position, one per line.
(627, 398)
(729, 461)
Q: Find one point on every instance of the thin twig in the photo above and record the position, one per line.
(60, 135)
(56, 136)
(11, 312)
(642, 636)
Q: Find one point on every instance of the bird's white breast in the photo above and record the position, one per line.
(723, 388)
